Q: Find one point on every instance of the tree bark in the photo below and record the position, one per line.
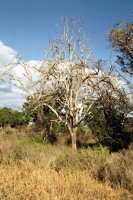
(73, 136)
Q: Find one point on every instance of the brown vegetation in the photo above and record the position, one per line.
(31, 169)
(28, 181)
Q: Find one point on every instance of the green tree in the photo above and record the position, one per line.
(108, 122)
(11, 117)
(121, 39)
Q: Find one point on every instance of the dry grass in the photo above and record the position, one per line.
(27, 181)
(118, 170)
(28, 172)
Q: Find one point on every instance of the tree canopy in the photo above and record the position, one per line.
(121, 39)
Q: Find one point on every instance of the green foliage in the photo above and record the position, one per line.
(97, 122)
(59, 128)
(45, 120)
(12, 117)
(108, 128)
(28, 111)
(121, 39)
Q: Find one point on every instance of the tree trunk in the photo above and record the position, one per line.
(73, 135)
(73, 132)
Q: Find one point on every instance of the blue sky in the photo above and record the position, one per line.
(25, 24)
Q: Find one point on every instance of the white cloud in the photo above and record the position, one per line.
(6, 54)
(11, 99)
(23, 70)
(9, 95)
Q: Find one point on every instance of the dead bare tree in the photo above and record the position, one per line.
(66, 81)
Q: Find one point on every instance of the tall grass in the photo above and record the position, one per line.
(33, 170)
(118, 170)
(29, 181)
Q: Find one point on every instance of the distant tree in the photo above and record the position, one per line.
(19, 119)
(11, 117)
(5, 116)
